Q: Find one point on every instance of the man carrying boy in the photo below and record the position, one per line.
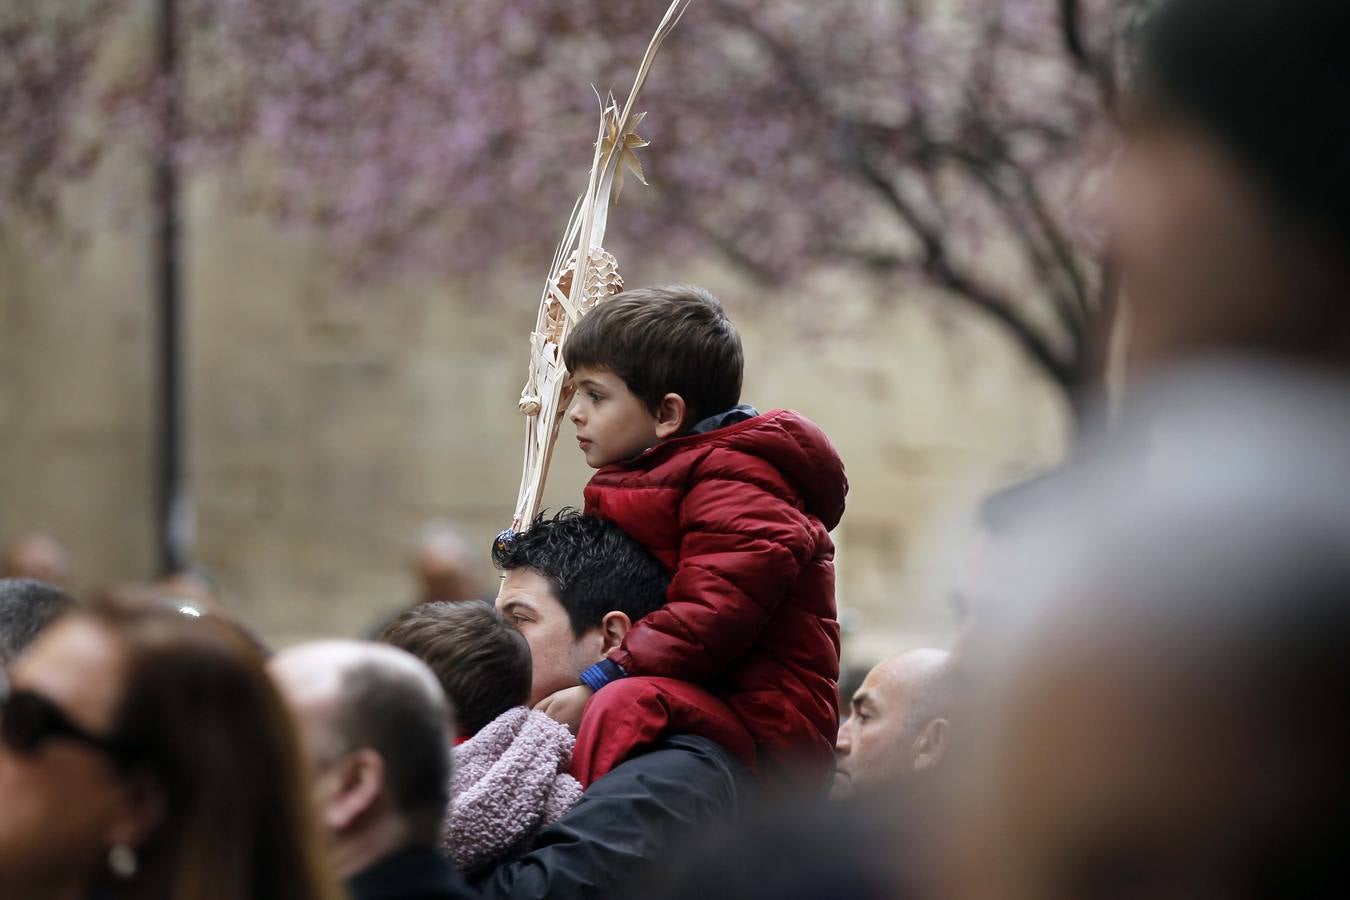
(738, 506)
(574, 585)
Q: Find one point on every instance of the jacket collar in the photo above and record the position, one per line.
(738, 413)
(730, 421)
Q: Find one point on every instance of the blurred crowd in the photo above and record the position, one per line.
(1149, 695)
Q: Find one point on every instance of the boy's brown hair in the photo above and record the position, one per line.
(673, 339)
(481, 661)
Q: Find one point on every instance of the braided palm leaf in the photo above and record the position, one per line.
(566, 297)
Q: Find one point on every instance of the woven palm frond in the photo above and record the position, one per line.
(566, 298)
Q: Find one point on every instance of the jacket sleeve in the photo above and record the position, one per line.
(623, 823)
(745, 540)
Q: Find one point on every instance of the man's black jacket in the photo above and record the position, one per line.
(625, 821)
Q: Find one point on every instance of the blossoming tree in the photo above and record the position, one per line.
(947, 143)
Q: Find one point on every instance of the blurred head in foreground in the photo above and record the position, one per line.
(144, 753)
(1166, 716)
(897, 724)
(1232, 203)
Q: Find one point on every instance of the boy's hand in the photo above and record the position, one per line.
(565, 706)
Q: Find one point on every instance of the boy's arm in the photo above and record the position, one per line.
(745, 541)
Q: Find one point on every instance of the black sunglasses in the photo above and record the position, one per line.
(28, 719)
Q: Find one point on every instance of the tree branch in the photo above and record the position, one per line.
(1046, 244)
(936, 262)
(938, 266)
(1097, 66)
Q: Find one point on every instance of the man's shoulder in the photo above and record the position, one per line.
(678, 780)
(685, 753)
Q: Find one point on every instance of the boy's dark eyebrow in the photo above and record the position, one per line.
(586, 382)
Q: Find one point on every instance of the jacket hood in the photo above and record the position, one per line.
(799, 449)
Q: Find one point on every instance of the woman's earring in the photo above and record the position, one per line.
(122, 861)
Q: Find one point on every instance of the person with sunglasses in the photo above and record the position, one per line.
(146, 754)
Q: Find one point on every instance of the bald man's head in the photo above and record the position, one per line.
(896, 725)
(351, 696)
(314, 673)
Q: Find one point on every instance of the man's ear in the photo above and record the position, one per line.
(670, 413)
(356, 783)
(930, 745)
(613, 629)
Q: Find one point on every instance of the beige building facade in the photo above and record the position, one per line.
(329, 422)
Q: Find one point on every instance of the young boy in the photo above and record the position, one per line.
(737, 505)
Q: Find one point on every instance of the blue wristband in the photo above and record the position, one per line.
(602, 673)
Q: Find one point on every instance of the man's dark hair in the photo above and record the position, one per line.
(480, 659)
(673, 339)
(389, 711)
(26, 607)
(1269, 79)
(593, 566)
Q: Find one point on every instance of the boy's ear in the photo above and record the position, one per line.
(670, 413)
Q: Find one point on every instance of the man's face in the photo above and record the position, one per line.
(528, 601)
(1205, 265)
(613, 424)
(873, 747)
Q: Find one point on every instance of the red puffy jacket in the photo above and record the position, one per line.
(635, 714)
(741, 515)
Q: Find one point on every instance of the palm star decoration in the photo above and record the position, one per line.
(625, 145)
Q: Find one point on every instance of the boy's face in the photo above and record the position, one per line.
(613, 424)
